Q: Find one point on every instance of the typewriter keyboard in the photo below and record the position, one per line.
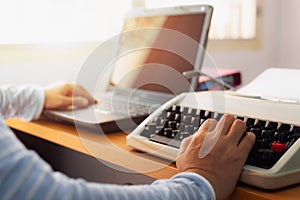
(174, 124)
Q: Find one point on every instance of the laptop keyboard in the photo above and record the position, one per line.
(123, 107)
(273, 139)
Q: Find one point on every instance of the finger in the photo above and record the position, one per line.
(184, 144)
(247, 142)
(80, 91)
(237, 131)
(65, 102)
(210, 140)
(207, 126)
(225, 123)
(80, 102)
(73, 103)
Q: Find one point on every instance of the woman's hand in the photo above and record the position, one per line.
(67, 96)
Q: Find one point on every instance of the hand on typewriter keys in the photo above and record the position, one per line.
(223, 164)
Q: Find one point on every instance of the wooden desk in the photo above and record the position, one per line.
(112, 148)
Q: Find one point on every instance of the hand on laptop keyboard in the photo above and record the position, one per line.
(67, 96)
(221, 165)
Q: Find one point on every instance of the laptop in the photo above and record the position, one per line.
(153, 50)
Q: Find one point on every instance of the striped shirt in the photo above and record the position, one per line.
(24, 175)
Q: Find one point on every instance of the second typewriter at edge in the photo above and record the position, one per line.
(274, 159)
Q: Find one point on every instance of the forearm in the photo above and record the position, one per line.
(24, 102)
(182, 186)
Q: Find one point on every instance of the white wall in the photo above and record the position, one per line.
(38, 72)
(289, 34)
(280, 47)
(41, 65)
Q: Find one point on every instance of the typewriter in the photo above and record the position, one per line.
(274, 161)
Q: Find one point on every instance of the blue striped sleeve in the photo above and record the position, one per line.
(25, 102)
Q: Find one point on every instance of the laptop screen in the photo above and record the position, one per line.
(141, 65)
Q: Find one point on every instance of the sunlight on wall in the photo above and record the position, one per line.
(60, 21)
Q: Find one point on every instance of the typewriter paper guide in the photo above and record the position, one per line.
(276, 84)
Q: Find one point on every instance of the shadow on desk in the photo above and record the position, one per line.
(78, 165)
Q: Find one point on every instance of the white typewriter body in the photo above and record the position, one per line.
(286, 171)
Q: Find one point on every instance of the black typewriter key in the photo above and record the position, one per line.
(240, 118)
(218, 116)
(174, 133)
(257, 132)
(208, 114)
(296, 129)
(185, 110)
(187, 119)
(170, 115)
(189, 129)
(172, 124)
(168, 132)
(148, 130)
(198, 112)
(175, 109)
(177, 117)
(267, 134)
(195, 121)
(262, 144)
(284, 127)
(260, 124)
(202, 114)
(193, 112)
(184, 135)
(282, 137)
(291, 141)
(250, 122)
(272, 125)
